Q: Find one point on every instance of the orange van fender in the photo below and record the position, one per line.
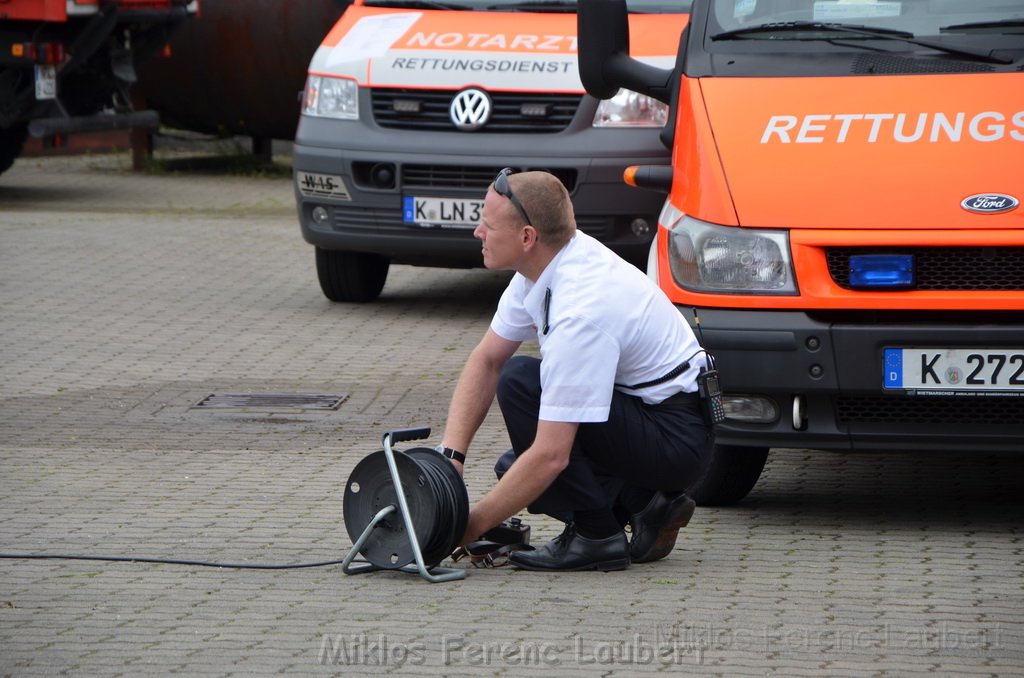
(699, 187)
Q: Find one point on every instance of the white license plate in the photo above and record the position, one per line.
(321, 185)
(442, 212)
(954, 370)
(46, 82)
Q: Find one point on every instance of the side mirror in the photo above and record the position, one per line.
(602, 29)
(605, 65)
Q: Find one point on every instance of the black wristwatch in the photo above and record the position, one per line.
(454, 455)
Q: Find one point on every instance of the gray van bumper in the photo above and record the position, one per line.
(590, 162)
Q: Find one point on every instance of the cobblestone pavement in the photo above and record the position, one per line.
(125, 299)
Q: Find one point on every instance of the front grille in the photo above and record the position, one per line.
(473, 178)
(448, 176)
(931, 410)
(423, 109)
(944, 268)
(346, 219)
(866, 64)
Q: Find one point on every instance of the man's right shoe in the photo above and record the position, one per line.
(570, 552)
(656, 527)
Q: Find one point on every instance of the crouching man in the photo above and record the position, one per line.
(606, 426)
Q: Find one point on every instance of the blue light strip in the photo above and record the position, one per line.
(882, 270)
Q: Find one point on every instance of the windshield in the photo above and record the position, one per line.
(919, 18)
(554, 6)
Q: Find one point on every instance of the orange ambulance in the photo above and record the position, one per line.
(843, 227)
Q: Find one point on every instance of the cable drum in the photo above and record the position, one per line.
(434, 492)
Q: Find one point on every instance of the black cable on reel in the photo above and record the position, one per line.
(453, 504)
(437, 500)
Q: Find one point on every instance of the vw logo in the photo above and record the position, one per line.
(470, 109)
(989, 203)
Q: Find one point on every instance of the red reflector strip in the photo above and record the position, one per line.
(53, 53)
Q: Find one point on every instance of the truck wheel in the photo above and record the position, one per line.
(731, 474)
(351, 276)
(12, 139)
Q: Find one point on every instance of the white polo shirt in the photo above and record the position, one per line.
(608, 326)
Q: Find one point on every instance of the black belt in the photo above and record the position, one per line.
(682, 398)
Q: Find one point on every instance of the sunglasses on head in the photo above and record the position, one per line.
(502, 188)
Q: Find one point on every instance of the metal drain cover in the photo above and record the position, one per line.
(263, 401)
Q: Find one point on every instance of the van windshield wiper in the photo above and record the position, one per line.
(984, 26)
(536, 6)
(799, 26)
(866, 31)
(419, 4)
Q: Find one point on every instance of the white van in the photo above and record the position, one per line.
(411, 108)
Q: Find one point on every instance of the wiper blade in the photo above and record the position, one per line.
(418, 4)
(867, 31)
(796, 26)
(536, 6)
(983, 25)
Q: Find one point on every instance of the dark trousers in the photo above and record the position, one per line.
(641, 448)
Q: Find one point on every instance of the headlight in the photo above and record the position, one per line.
(729, 260)
(629, 109)
(331, 98)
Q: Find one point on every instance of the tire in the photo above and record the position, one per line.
(730, 476)
(12, 140)
(351, 276)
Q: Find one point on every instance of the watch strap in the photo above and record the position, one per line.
(454, 455)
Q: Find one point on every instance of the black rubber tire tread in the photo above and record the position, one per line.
(12, 140)
(351, 276)
(730, 476)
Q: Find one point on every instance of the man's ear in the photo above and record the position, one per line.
(529, 236)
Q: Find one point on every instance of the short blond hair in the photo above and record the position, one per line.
(547, 202)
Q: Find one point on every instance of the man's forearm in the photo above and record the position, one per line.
(526, 480)
(471, 400)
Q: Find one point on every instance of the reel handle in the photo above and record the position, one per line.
(405, 434)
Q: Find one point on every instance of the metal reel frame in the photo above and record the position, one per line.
(444, 574)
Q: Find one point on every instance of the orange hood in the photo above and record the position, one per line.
(868, 152)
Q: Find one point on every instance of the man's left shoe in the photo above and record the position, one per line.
(570, 552)
(656, 527)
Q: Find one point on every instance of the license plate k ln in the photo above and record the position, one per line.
(960, 371)
(460, 213)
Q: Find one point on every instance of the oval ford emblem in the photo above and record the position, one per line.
(989, 203)
(470, 109)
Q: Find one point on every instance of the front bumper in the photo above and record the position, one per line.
(435, 164)
(830, 369)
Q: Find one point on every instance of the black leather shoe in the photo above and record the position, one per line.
(656, 527)
(570, 552)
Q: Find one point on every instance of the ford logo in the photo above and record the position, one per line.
(989, 203)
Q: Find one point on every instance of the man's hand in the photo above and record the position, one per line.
(473, 529)
(529, 476)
